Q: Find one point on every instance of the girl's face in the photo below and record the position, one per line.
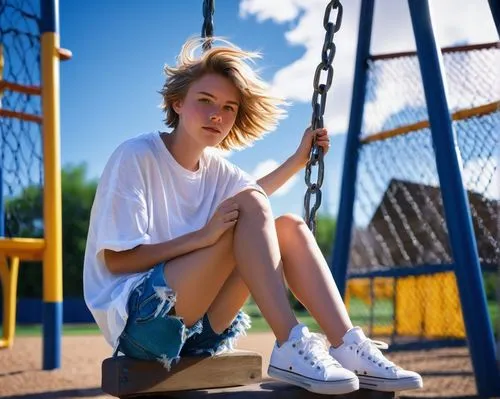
(209, 110)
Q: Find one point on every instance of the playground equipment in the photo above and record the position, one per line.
(29, 125)
(419, 196)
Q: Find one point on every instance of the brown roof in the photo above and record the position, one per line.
(408, 228)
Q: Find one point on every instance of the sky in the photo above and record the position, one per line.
(109, 89)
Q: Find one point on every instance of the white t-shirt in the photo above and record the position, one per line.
(145, 197)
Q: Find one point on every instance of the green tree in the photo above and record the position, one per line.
(325, 231)
(77, 198)
(24, 218)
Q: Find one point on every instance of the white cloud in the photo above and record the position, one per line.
(307, 30)
(455, 21)
(266, 167)
(460, 21)
(277, 10)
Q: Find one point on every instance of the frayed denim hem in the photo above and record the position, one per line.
(196, 328)
(216, 344)
(238, 328)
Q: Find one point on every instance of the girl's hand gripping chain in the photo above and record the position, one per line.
(304, 149)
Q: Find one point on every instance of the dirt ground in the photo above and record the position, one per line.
(446, 372)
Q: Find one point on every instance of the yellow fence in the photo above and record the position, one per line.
(425, 306)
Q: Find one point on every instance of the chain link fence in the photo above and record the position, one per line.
(20, 110)
(402, 286)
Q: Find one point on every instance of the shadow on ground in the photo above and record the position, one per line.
(62, 394)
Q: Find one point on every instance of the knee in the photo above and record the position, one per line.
(254, 203)
(289, 222)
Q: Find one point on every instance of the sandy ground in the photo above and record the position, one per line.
(446, 372)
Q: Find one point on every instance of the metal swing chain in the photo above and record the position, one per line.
(318, 105)
(207, 30)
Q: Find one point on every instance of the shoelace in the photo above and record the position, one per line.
(372, 351)
(315, 351)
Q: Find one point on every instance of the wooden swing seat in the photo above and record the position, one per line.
(231, 375)
(126, 377)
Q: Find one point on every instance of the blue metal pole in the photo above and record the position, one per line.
(495, 11)
(456, 206)
(340, 255)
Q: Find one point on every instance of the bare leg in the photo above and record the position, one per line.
(258, 258)
(199, 277)
(228, 302)
(309, 278)
(307, 275)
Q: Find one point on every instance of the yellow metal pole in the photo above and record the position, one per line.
(9, 287)
(52, 164)
(52, 206)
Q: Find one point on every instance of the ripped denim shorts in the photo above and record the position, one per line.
(154, 332)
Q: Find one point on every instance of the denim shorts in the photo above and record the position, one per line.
(154, 332)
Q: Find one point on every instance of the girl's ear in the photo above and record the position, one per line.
(177, 106)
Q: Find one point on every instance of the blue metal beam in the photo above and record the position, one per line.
(49, 21)
(340, 255)
(404, 271)
(456, 206)
(495, 11)
(52, 335)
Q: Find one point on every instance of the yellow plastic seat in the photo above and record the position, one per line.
(12, 251)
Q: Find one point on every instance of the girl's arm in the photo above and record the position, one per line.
(145, 256)
(274, 180)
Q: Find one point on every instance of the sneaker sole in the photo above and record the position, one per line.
(322, 387)
(389, 385)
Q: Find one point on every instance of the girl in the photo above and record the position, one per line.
(179, 237)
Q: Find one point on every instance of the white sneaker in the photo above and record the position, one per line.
(303, 360)
(363, 356)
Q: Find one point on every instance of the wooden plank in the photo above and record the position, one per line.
(268, 389)
(459, 115)
(16, 87)
(5, 113)
(123, 376)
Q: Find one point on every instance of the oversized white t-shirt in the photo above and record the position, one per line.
(145, 197)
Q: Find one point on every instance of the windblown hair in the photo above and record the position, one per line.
(258, 112)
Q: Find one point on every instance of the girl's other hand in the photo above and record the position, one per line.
(302, 153)
(224, 218)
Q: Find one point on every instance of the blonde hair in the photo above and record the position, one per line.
(258, 112)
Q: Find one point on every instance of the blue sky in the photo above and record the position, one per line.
(109, 89)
